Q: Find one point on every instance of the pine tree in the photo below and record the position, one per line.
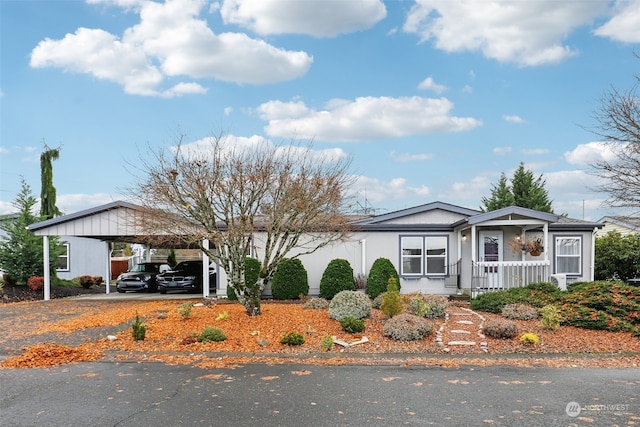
(21, 254)
(48, 208)
(501, 196)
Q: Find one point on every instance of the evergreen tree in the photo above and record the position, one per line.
(21, 251)
(525, 191)
(48, 208)
(501, 196)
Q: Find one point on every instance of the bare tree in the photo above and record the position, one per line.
(618, 121)
(261, 200)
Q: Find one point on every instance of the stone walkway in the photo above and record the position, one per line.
(462, 329)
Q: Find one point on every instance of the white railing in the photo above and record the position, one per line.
(503, 275)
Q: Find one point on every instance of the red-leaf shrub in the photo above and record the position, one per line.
(35, 283)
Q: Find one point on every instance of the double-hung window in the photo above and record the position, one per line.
(423, 255)
(569, 255)
(63, 258)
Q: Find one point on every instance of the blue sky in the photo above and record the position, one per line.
(433, 99)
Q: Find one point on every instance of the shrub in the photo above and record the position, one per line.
(501, 328)
(212, 334)
(326, 343)
(520, 311)
(406, 327)
(534, 294)
(316, 303)
(352, 325)
(252, 269)
(185, 310)
(551, 317)
(35, 283)
(392, 301)
(349, 304)
(337, 277)
(289, 280)
(529, 339)
(429, 306)
(381, 271)
(377, 301)
(292, 338)
(138, 329)
(88, 281)
(491, 302)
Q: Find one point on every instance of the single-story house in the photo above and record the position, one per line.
(623, 224)
(437, 248)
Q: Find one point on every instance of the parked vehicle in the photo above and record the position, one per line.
(141, 277)
(186, 276)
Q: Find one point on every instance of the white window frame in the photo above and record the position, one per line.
(558, 256)
(61, 256)
(424, 256)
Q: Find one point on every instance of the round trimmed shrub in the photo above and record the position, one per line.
(500, 328)
(351, 325)
(316, 303)
(290, 280)
(381, 271)
(212, 334)
(519, 311)
(429, 306)
(377, 301)
(292, 338)
(406, 327)
(252, 269)
(349, 304)
(337, 277)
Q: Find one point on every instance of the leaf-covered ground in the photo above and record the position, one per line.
(48, 333)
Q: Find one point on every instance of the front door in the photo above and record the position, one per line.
(491, 251)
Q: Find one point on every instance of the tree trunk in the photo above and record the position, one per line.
(248, 296)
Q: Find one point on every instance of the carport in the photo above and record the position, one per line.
(116, 221)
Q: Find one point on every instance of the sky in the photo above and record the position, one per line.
(431, 99)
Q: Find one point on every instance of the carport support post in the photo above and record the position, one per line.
(205, 269)
(47, 272)
(108, 269)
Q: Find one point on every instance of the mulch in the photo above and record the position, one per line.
(40, 333)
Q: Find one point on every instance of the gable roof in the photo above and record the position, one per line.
(510, 212)
(417, 210)
(630, 222)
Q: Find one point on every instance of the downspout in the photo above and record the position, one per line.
(363, 255)
(47, 272)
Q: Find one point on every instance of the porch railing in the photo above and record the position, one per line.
(503, 275)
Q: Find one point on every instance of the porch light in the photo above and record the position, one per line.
(464, 237)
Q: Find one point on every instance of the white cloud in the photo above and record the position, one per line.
(512, 118)
(501, 151)
(3, 151)
(592, 152)
(429, 84)
(228, 111)
(169, 41)
(407, 157)
(364, 119)
(527, 33)
(624, 26)
(326, 18)
(379, 194)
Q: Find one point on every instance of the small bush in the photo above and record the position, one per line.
(223, 316)
(377, 301)
(337, 277)
(212, 334)
(520, 311)
(529, 339)
(392, 301)
(316, 303)
(352, 325)
(138, 329)
(185, 310)
(326, 343)
(289, 280)
(492, 302)
(349, 304)
(551, 317)
(501, 328)
(89, 281)
(35, 283)
(292, 338)
(381, 271)
(406, 327)
(429, 306)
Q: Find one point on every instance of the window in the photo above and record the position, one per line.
(63, 258)
(569, 255)
(423, 255)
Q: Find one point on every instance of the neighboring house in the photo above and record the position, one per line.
(437, 248)
(79, 256)
(622, 224)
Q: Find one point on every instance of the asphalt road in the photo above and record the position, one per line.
(155, 394)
